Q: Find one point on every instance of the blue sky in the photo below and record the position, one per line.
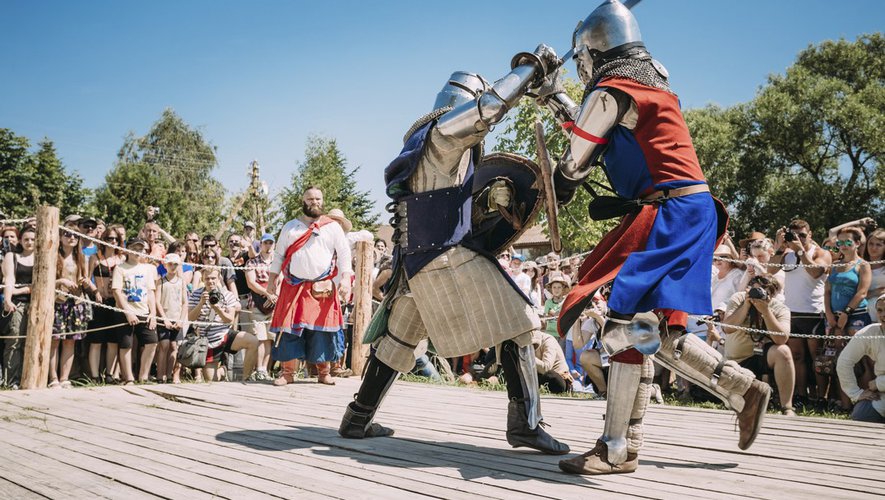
(257, 78)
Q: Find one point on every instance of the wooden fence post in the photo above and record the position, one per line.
(362, 304)
(35, 371)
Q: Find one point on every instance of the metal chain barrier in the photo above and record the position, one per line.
(791, 266)
(781, 334)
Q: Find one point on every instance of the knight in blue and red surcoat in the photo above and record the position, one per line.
(659, 258)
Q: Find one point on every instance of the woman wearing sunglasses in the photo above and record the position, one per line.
(101, 268)
(845, 297)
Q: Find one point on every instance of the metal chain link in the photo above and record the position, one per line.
(781, 334)
(791, 266)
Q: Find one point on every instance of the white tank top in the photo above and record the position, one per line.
(803, 293)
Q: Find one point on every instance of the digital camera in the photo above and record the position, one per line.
(215, 297)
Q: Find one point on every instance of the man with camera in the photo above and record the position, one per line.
(218, 305)
(759, 309)
(803, 295)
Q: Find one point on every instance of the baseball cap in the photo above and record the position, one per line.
(518, 256)
(135, 240)
(173, 258)
(267, 237)
(73, 218)
(249, 224)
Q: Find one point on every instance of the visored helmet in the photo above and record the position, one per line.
(460, 88)
(609, 32)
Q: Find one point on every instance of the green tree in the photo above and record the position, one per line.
(39, 178)
(808, 145)
(325, 167)
(577, 230)
(170, 168)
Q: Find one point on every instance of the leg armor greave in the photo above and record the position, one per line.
(623, 387)
(357, 421)
(693, 359)
(524, 409)
(521, 375)
(643, 394)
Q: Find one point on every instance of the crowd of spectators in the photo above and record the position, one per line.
(765, 290)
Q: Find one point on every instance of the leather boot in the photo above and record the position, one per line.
(520, 434)
(595, 462)
(750, 418)
(323, 374)
(357, 423)
(287, 373)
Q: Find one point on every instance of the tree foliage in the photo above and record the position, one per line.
(576, 228)
(325, 167)
(36, 178)
(809, 145)
(170, 168)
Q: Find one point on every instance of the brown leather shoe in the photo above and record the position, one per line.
(595, 462)
(750, 419)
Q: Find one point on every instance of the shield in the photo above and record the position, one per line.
(496, 230)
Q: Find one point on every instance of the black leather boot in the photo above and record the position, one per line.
(519, 433)
(357, 423)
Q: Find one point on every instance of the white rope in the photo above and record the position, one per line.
(67, 334)
(150, 316)
(163, 260)
(16, 221)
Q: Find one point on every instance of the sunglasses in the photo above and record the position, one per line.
(829, 248)
(844, 243)
(112, 240)
(68, 234)
(504, 256)
(207, 257)
(210, 245)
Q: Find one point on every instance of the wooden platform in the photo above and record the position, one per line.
(231, 440)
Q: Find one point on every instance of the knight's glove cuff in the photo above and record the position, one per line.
(564, 187)
(551, 86)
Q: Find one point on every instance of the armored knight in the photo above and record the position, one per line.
(659, 257)
(447, 286)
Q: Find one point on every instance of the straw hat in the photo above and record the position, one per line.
(558, 277)
(338, 215)
(755, 235)
(725, 251)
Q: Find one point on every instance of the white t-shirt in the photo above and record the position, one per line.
(136, 281)
(524, 283)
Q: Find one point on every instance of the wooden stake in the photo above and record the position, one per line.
(362, 304)
(35, 371)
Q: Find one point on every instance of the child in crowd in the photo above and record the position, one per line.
(172, 307)
(558, 286)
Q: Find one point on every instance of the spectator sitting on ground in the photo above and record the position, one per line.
(550, 363)
(212, 303)
(869, 401)
(760, 253)
(134, 285)
(759, 308)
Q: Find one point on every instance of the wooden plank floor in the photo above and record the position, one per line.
(233, 440)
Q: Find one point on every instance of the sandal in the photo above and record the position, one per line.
(54, 385)
(128, 382)
(66, 384)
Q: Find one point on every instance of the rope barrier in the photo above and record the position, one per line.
(17, 221)
(163, 260)
(150, 316)
(68, 334)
